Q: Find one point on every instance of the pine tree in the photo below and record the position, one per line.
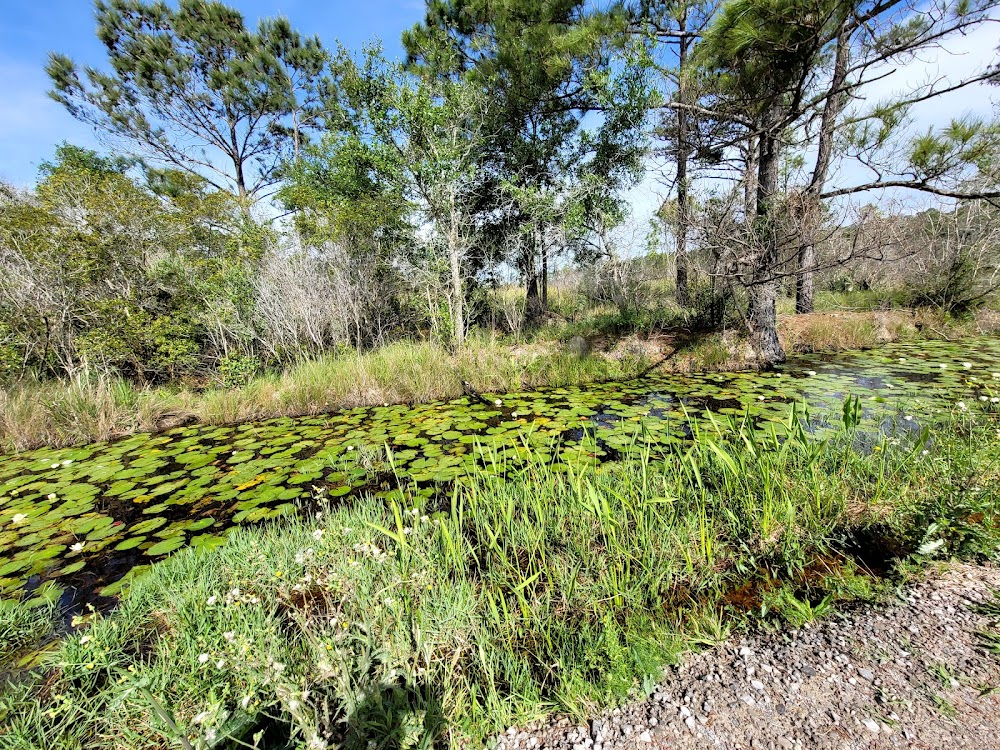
(197, 90)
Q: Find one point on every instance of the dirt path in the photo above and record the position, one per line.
(905, 675)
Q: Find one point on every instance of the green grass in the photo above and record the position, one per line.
(523, 591)
(91, 408)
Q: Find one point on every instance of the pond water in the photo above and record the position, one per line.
(77, 523)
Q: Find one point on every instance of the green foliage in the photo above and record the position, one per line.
(237, 371)
(406, 619)
(196, 75)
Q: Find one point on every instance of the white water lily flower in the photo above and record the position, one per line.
(19, 518)
(54, 466)
(67, 462)
(967, 365)
(76, 547)
(811, 373)
(996, 376)
(902, 359)
(52, 496)
(943, 366)
(203, 658)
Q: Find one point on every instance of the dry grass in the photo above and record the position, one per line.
(87, 409)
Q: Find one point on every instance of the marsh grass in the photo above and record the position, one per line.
(526, 589)
(89, 408)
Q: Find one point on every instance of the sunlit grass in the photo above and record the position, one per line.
(524, 589)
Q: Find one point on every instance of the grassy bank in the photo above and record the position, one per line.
(91, 408)
(523, 591)
(618, 346)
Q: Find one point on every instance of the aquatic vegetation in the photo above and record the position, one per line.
(412, 620)
(79, 523)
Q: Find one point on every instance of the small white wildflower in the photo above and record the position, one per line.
(908, 418)
(498, 402)
(424, 519)
(389, 601)
(984, 399)
(925, 452)
(84, 639)
(293, 705)
(961, 405)
(245, 702)
(318, 534)
(278, 666)
(210, 735)
(212, 600)
(220, 663)
(19, 518)
(76, 547)
(229, 635)
(995, 400)
(407, 531)
(203, 658)
(202, 717)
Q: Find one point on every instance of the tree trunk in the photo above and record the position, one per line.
(763, 287)
(534, 305)
(458, 293)
(681, 155)
(533, 309)
(545, 276)
(804, 287)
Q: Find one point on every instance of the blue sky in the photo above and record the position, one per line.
(31, 124)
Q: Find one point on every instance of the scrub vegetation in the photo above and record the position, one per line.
(419, 619)
(348, 402)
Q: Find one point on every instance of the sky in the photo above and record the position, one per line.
(31, 124)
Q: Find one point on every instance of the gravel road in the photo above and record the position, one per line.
(909, 674)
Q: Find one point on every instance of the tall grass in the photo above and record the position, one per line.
(526, 589)
(88, 408)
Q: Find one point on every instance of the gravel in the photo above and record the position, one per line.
(908, 674)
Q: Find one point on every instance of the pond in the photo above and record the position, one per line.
(77, 523)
